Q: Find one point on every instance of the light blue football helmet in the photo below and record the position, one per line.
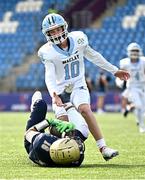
(53, 21)
(134, 50)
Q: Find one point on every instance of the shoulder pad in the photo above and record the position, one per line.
(124, 60)
(79, 37)
(45, 52)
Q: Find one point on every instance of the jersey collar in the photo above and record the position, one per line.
(61, 51)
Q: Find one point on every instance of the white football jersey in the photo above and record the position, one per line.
(64, 67)
(136, 70)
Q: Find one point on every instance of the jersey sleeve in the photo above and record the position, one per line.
(43, 57)
(50, 78)
(86, 42)
(80, 38)
(96, 58)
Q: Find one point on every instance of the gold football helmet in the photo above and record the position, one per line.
(65, 151)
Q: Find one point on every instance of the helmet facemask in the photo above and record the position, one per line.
(134, 51)
(59, 38)
(52, 22)
(134, 54)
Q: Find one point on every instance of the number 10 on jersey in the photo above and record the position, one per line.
(72, 70)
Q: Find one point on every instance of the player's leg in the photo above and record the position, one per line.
(124, 104)
(38, 110)
(100, 102)
(38, 113)
(81, 99)
(138, 101)
(127, 106)
(73, 116)
(136, 117)
(142, 110)
(140, 120)
(76, 118)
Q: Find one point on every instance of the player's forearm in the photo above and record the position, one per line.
(51, 85)
(99, 60)
(30, 133)
(50, 78)
(51, 88)
(34, 130)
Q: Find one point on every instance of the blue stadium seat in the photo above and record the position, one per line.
(14, 47)
(110, 40)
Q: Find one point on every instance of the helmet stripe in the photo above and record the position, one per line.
(53, 20)
(49, 21)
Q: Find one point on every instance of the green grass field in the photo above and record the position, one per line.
(120, 133)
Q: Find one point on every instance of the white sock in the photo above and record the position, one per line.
(101, 143)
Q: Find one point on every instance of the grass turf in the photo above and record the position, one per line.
(120, 133)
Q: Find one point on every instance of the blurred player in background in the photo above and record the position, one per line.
(63, 57)
(102, 84)
(135, 91)
(126, 104)
(89, 83)
(62, 145)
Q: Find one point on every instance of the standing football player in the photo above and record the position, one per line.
(63, 57)
(135, 91)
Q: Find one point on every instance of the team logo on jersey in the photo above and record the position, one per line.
(80, 41)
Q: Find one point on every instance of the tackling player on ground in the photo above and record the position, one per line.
(63, 57)
(62, 145)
